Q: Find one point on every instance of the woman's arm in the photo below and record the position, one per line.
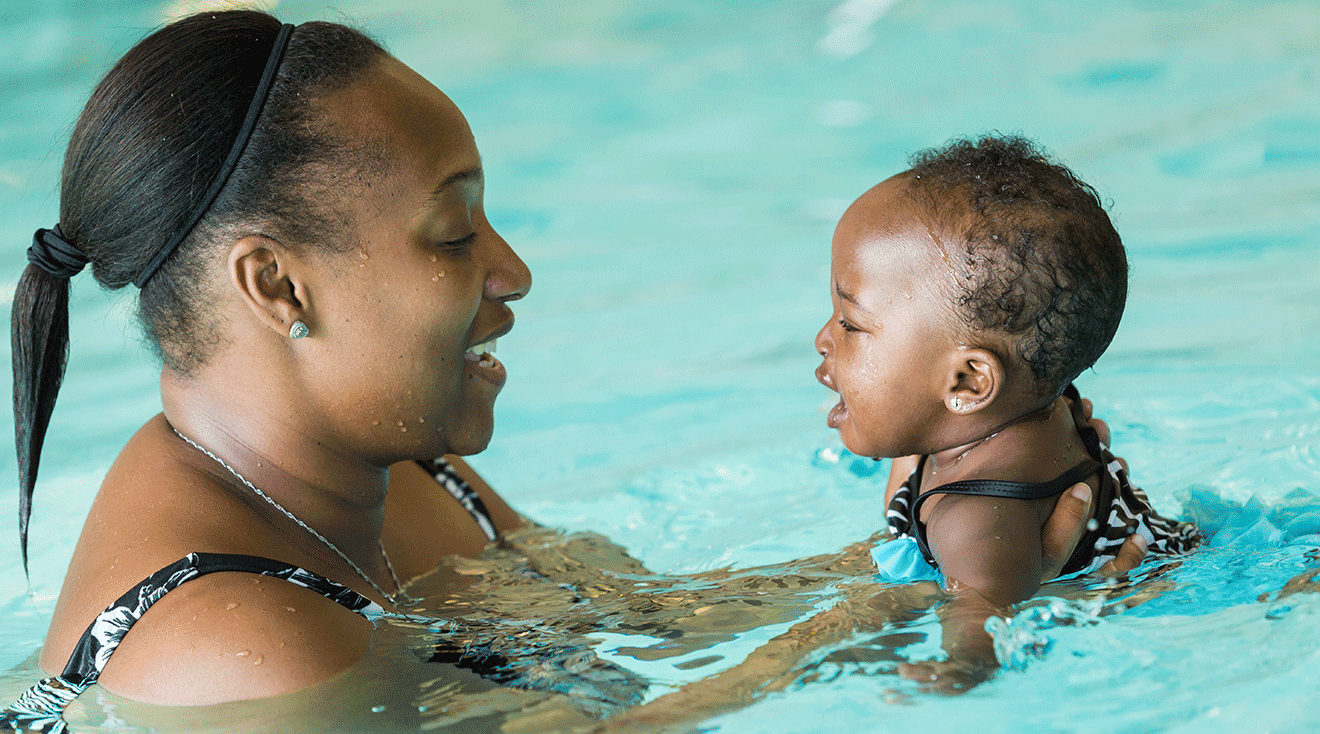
(775, 664)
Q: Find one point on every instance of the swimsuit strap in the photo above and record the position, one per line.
(1011, 490)
(997, 488)
(444, 473)
(41, 708)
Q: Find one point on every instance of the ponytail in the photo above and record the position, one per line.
(40, 341)
(206, 124)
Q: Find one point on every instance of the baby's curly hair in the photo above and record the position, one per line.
(1041, 262)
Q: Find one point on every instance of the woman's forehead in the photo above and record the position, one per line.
(394, 108)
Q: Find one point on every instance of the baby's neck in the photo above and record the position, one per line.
(1036, 447)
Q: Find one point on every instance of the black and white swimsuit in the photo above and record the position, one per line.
(1121, 510)
(41, 707)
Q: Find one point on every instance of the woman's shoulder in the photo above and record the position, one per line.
(219, 636)
(235, 636)
(424, 522)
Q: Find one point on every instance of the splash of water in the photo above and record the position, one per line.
(1025, 636)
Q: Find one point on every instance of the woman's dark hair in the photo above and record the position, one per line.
(1040, 260)
(146, 148)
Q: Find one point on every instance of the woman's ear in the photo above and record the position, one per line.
(975, 377)
(262, 271)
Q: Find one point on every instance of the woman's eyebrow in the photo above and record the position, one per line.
(469, 175)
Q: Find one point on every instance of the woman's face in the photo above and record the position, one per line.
(399, 324)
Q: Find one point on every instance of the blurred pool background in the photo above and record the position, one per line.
(671, 171)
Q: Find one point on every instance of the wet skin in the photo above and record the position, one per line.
(316, 422)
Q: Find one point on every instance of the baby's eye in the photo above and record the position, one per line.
(847, 326)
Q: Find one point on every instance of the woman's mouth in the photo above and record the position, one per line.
(481, 359)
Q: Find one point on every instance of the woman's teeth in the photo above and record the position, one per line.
(482, 352)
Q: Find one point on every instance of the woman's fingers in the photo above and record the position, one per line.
(1130, 555)
(1101, 428)
(1064, 529)
(945, 677)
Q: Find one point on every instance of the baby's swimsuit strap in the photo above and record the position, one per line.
(1010, 490)
(443, 472)
(41, 707)
(997, 488)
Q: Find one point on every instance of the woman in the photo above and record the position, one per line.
(303, 214)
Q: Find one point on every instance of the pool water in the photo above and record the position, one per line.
(671, 172)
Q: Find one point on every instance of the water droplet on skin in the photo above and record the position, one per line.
(433, 258)
(231, 605)
(403, 430)
(362, 254)
(421, 419)
(375, 423)
(244, 653)
(258, 660)
(289, 609)
(400, 422)
(440, 274)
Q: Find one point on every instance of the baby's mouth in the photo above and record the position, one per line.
(838, 414)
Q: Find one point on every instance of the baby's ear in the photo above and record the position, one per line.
(975, 377)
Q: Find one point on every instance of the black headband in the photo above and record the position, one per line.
(231, 161)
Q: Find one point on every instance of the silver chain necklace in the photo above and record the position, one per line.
(403, 595)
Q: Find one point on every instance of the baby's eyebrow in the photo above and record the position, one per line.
(846, 296)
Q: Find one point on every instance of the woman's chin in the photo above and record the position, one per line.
(471, 441)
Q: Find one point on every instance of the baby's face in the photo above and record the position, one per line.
(890, 337)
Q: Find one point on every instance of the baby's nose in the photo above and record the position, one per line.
(823, 343)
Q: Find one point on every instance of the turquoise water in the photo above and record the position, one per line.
(671, 173)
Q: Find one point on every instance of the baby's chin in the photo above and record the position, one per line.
(859, 445)
(852, 442)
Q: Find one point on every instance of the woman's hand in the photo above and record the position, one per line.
(1067, 524)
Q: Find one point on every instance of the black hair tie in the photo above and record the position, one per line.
(54, 254)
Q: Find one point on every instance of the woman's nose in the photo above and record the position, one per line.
(508, 278)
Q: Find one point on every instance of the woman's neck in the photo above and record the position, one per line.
(281, 451)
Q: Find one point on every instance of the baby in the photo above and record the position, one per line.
(969, 291)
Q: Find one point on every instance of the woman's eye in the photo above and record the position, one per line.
(460, 245)
(847, 326)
